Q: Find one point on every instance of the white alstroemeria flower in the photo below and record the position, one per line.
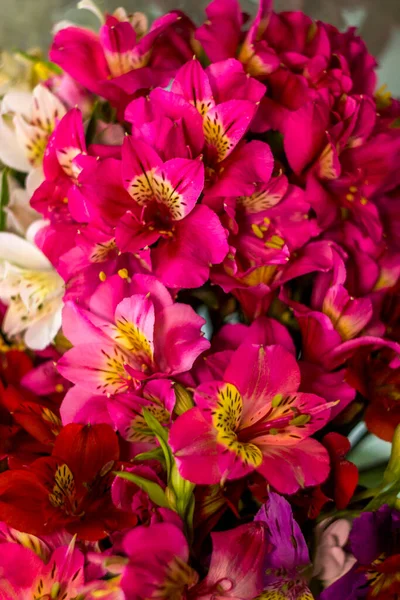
(32, 290)
(19, 213)
(26, 122)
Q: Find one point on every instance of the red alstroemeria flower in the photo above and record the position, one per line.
(69, 489)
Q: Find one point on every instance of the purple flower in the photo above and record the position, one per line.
(288, 555)
(375, 543)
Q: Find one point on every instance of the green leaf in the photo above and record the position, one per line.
(4, 199)
(162, 436)
(181, 497)
(156, 454)
(155, 492)
(389, 490)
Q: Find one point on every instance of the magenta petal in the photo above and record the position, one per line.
(269, 332)
(193, 441)
(228, 80)
(331, 386)
(290, 468)
(178, 185)
(79, 53)
(78, 325)
(108, 295)
(338, 355)
(319, 336)
(192, 83)
(81, 406)
(199, 241)
(244, 570)
(250, 163)
(348, 315)
(225, 125)
(260, 373)
(304, 134)
(139, 160)
(178, 339)
(220, 35)
(131, 235)
(12, 557)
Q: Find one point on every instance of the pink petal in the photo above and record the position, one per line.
(220, 35)
(289, 469)
(139, 161)
(250, 163)
(178, 185)
(199, 241)
(225, 125)
(134, 317)
(260, 373)
(348, 315)
(98, 368)
(178, 339)
(193, 442)
(192, 83)
(228, 79)
(304, 134)
(81, 406)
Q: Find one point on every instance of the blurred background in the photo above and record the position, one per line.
(26, 24)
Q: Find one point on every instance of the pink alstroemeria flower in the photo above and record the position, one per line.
(115, 64)
(124, 412)
(23, 575)
(253, 419)
(190, 237)
(237, 564)
(335, 326)
(158, 563)
(132, 332)
(227, 100)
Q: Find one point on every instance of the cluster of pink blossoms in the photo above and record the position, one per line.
(208, 305)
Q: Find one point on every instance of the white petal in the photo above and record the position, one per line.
(15, 319)
(43, 332)
(33, 181)
(32, 139)
(19, 212)
(90, 5)
(62, 25)
(12, 153)
(34, 228)
(17, 102)
(16, 250)
(47, 108)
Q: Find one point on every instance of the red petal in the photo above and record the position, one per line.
(23, 501)
(87, 449)
(346, 480)
(337, 445)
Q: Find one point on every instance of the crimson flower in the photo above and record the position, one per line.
(69, 489)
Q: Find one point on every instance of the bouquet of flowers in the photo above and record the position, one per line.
(199, 284)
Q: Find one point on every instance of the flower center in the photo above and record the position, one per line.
(64, 492)
(226, 420)
(179, 576)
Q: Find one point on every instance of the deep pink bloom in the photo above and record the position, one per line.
(237, 564)
(23, 575)
(253, 419)
(114, 64)
(190, 237)
(132, 332)
(158, 563)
